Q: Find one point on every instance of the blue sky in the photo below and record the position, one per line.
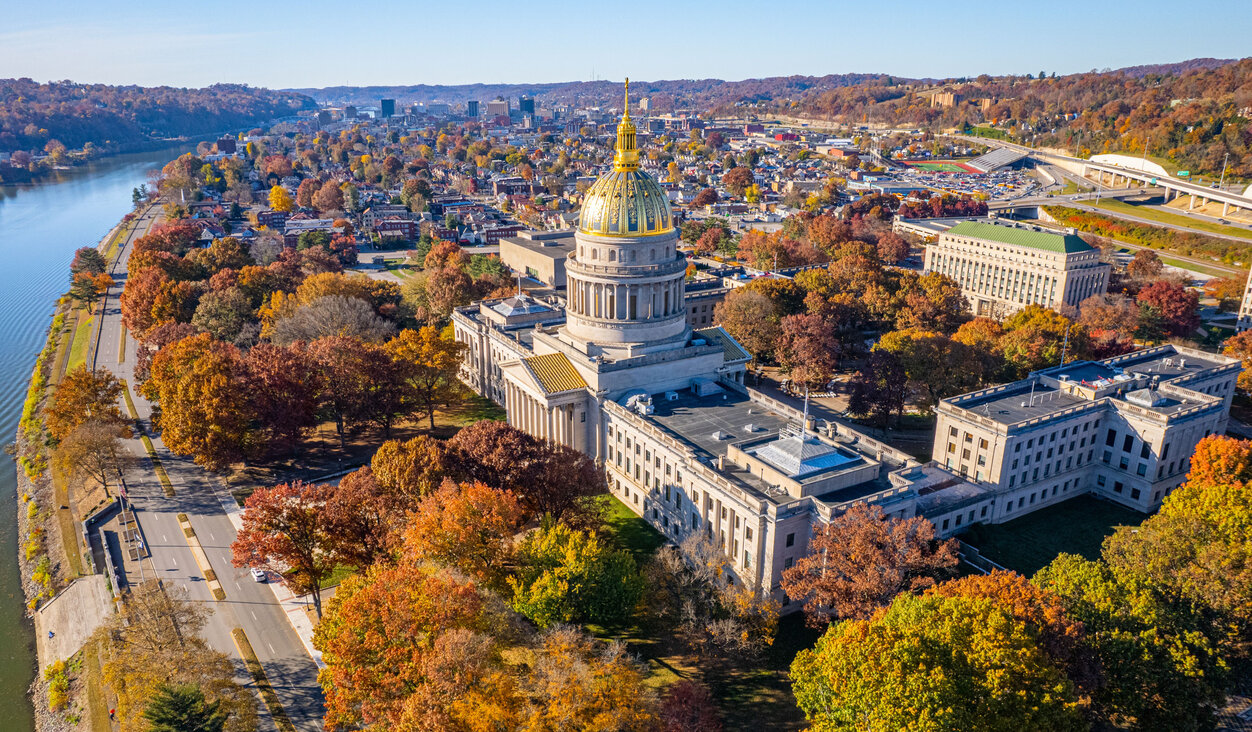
(322, 43)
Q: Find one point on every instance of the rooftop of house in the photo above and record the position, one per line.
(1047, 241)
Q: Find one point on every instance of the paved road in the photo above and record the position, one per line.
(248, 605)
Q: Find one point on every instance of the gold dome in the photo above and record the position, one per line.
(625, 201)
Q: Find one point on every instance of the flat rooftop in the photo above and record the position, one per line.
(1017, 404)
(555, 244)
(696, 419)
(1170, 365)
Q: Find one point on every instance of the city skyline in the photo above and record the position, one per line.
(438, 45)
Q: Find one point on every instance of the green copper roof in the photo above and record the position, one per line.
(1042, 240)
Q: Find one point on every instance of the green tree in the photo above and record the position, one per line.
(572, 576)
(932, 663)
(183, 708)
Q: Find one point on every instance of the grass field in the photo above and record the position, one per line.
(1077, 526)
(940, 167)
(1153, 214)
(82, 336)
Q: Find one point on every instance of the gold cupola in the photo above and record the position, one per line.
(626, 201)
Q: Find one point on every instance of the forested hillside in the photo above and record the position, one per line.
(35, 117)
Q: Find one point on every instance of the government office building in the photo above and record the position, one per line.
(1003, 267)
(1123, 429)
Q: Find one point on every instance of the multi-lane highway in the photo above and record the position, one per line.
(248, 604)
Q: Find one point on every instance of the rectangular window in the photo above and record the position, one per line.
(1128, 443)
(982, 444)
(1100, 480)
(1142, 469)
(983, 513)
(788, 562)
(945, 524)
(1123, 463)
(1134, 494)
(1117, 487)
(791, 539)
(1108, 456)
(1111, 438)
(1146, 451)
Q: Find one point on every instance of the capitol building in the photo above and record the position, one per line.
(616, 371)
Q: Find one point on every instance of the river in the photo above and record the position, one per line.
(40, 227)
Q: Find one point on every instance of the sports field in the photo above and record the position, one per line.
(943, 166)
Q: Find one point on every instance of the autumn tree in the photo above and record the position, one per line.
(328, 198)
(939, 365)
(1240, 346)
(88, 260)
(204, 413)
(1176, 306)
(468, 527)
(304, 194)
(428, 362)
(566, 575)
(341, 364)
(86, 288)
(879, 387)
(688, 596)
(861, 559)
(1035, 338)
(407, 644)
(751, 319)
(736, 180)
(281, 200)
(332, 315)
(411, 469)
(287, 529)
(84, 395)
(364, 520)
(1145, 265)
(955, 662)
(283, 388)
(706, 197)
(808, 349)
(547, 478)
(92, 450)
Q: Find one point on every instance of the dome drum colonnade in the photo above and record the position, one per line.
(626, 278)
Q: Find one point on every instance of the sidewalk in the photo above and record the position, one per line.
(293, 605)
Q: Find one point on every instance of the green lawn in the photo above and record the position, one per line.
(1077, 526)
(1190, 222)
(82, 336)
(628, 530)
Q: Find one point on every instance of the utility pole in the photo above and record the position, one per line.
(1223, 180)
(1065, 345)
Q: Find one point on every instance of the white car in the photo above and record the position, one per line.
(258, 575)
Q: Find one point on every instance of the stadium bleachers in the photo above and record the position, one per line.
(995, 159)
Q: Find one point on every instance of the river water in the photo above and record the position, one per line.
(40, 227)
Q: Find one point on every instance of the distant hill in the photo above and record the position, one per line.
(1195, 64)
(665, 95)
(119, 117)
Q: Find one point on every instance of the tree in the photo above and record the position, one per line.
(332, 315)
(281, 200)
(687, 596)
(328, 198)
(878, 387)
(287, 529)
(183, 708)
(304, 194)
(364, 520)
(751, 319)
(566, 575)
(736, 180)
(1145, 265)
(411, 469)
(468, 527)
(87, 288)
(548, 479)
(84, 395)
(1175, 305)
(892, 248)
(448, 288)
(342, 370)
(428, 363)
(935, 302)
(862, 559)
(88, 260)
(938, 364)
(223, 313)
(204, 413)
(283, 388)
(384, 638)
(578, 683)
(706, 197)
(808, 349)
(1035, 338)
(1240, 346)
(933, 663)
(92, 450)
(1160, 671)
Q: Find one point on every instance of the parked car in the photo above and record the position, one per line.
(258, 575)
